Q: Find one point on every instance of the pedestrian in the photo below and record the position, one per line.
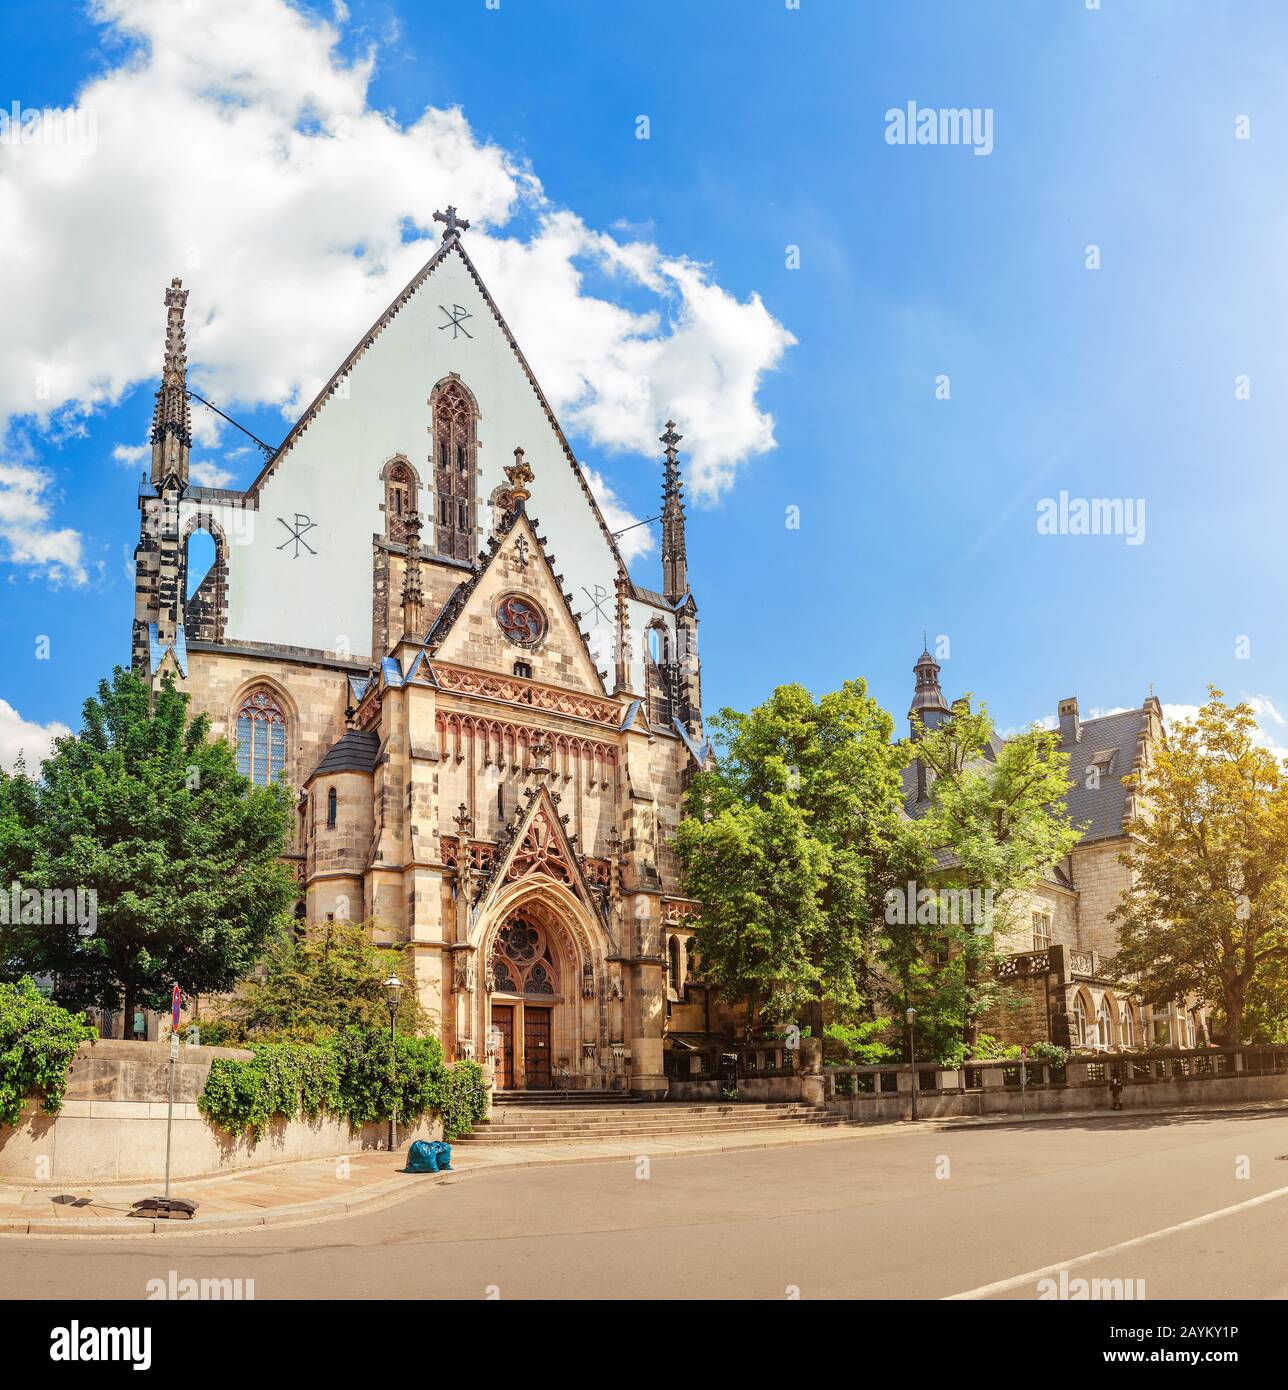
(1116, 1092)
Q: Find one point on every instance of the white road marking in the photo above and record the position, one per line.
(1033, 1275)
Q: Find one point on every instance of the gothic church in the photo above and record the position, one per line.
(418, 617)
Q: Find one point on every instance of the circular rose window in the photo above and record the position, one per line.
(521, 620)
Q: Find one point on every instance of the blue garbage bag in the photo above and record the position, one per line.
(421, 1158)
(429, 1156)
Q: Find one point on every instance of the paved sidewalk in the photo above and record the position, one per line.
(321, 1189)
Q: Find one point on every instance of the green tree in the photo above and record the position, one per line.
(37, 1042)
(996, 824)
(313, 984)
(146, 812)
(1207, 910)
(790, 843)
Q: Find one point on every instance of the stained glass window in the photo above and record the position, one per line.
(261, 738)
(400, 500)
(454, 476)
(522, 962)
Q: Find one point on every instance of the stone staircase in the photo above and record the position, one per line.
(529, 1117)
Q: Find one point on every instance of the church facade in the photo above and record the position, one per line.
(418, 617)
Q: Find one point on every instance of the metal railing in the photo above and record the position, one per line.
(1082, 1069)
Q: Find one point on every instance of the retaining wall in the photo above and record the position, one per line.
(112, 1127)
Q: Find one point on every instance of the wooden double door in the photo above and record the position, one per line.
(533, 1064)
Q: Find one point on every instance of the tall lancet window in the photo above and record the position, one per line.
(261, 738)
(455, 447)
(400, 499)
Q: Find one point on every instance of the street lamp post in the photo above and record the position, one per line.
(911, 1016)
(393, 992)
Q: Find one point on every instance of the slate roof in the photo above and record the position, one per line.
(1097, 811)
(354, 751)
(654, 599)
(1102, 809)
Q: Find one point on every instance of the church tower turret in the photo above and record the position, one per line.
(675, 568)
(172, 419)
(159, 556)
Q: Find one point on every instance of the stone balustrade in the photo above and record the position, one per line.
(1155, 1077)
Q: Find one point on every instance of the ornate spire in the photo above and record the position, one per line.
(520, 474)
(413, 593)
(929, 708)
(172, 419)
(453, 225)
(622, 636)
(675, 569)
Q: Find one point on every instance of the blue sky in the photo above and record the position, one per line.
(1113, 127)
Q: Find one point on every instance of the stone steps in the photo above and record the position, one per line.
(570, 1121)
(564, 1117)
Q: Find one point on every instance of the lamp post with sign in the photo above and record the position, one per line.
(1024, 1074)
(911, 1016)
(393, 992)
(167, 1206)
(176, 1005)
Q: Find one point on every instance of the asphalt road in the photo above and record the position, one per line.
(890, 1213)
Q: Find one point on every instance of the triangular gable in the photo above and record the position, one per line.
(700, 755)
(418, 280)
(514, 609)
(176, 650)
(538, 846)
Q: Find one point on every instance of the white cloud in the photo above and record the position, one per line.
(234, 146)
(27, 537)
(19, 735)
(131, 455)
(635, 542)
(210, 475)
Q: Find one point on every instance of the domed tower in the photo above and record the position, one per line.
(929, 709)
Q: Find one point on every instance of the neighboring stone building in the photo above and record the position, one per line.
(1060, 936)
(488, 723)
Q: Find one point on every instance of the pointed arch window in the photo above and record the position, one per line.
(455, 449)
(522, 960)
(1079, 1022)
(261, 738)
(330, 808)
(400, 499)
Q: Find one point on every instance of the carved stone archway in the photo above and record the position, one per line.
(544, 1005)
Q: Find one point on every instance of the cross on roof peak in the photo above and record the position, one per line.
(453, 225)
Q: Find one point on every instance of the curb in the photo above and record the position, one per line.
(390, 1193)
(383, 1195)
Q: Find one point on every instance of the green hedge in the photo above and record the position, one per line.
(38, 1040)
(348, 1076)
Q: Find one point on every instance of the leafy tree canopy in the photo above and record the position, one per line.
(1207, 911)
(314, 983)
(142, 809)
(790, 843)
(995, 825)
